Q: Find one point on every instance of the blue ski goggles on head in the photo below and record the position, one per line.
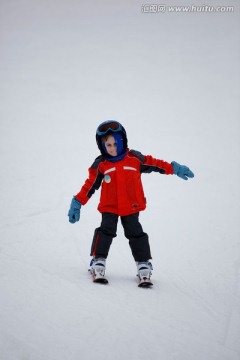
(110, 125)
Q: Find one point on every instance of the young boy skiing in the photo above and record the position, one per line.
(118, 171)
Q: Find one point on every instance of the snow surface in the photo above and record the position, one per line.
(172, 79)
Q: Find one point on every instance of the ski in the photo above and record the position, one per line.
(145, 283)
(99, 279)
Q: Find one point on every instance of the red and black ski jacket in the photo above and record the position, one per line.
(122, 191)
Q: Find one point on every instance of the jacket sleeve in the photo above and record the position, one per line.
(151, 164)
(92, 183)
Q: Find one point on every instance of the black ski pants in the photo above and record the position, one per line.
(138, 240)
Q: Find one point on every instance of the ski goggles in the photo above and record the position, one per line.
(109, 126)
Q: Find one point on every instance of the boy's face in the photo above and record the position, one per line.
(111, 146)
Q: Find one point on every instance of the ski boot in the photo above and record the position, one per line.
(97, 270)
(144, 269)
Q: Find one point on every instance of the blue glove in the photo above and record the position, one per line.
(182, 171)
(74, 211)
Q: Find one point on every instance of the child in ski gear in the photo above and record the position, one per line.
(118, 171)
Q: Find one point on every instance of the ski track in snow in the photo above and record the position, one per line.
(172, 80)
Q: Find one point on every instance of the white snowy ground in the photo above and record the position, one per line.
(172, 79)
